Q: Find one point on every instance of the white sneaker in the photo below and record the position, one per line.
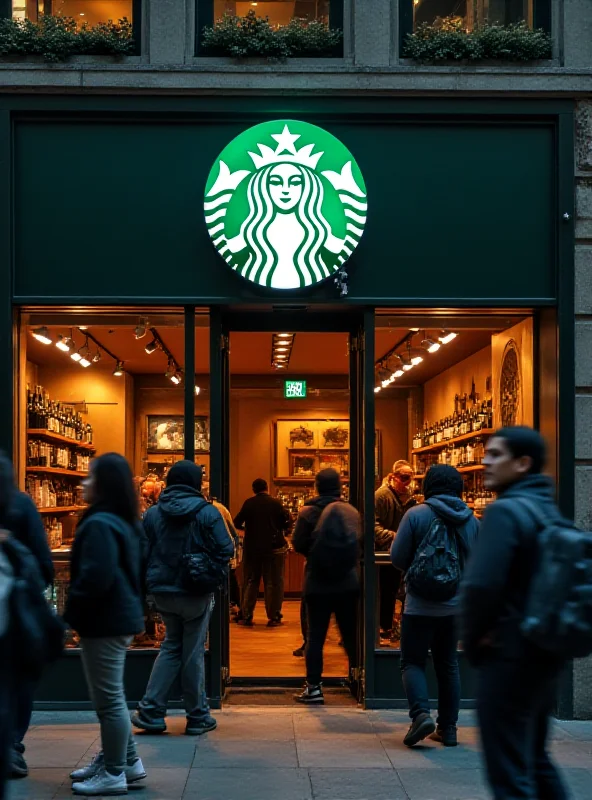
(103, 784)
(133, 772)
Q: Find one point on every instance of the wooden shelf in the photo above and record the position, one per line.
(60, 509)
(472, 468)
(302, 480)
(50, 436)
(58, 471)
(457, 440)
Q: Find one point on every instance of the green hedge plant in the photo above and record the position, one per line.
(447, 40)
(254, 37)
(58, 38)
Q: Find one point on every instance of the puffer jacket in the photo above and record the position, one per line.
(168, 530)
(303, 539)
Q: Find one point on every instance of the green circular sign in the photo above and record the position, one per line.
(285, 204)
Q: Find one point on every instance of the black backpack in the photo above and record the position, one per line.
(202, 571)
(37, 633)
(436, 570)
(558, 612)
(335, 549)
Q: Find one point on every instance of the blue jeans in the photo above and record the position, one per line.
(186, 619)
(419, 635)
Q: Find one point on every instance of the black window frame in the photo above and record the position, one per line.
(6, 13)
(204, 16)
(541, 18)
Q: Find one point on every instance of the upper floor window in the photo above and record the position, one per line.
(90, 11)
(472, 13)
(279, 12)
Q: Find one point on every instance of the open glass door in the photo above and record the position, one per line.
(219, 644)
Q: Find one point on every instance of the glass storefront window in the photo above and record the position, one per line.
(442, 385)
(280, 12)
(471, 13)
(91, 12)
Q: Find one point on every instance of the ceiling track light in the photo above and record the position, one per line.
(118, 371)
(197, 390)
(141, 328)
(42, 335)
(152, 346)
(430, 345)
(447, 336)
(65, 343)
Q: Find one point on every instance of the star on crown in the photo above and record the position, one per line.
(285, 141)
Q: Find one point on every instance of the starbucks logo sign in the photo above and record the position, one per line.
(285, 204)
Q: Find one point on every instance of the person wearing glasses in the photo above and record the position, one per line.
(391, 502)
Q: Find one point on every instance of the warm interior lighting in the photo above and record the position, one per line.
(176, 378)
(407, 367)
(416, 360)
(76, 356)
(376, 389)
(141, 328)
(84, 362)
(197, 390)
(431, 346)
(42, 335)
(447, 336)
(118, 371)
(63, 343)
(151, 347)
(398, 373)
(96, 357)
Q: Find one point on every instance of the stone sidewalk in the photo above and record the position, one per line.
(288, 754)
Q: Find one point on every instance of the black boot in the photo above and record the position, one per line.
(446, 736)
(421, 727)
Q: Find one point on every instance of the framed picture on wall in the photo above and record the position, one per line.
(166, 434)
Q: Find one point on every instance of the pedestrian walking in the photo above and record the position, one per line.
(182, 521)
(391, 501)
(431, 548)
(517, 681)
(105, 607)
(265, 522)
(328, 534)
(19, 516)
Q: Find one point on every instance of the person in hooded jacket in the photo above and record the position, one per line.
(427, 624)
(168, 528)
(324, 598)
(517, 682)
(104, 606)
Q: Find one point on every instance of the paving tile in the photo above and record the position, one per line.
(264, 727)
(431, 755)
(579, 782)
(161, 784)
(166, 751)
(218, 754)
(248, 784)
(350, 784)
(318, 724)
(342, 752)
(573, 753)
(42, 784)
(48, 753)
(457, 784)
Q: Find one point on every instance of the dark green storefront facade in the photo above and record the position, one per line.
(470, 205)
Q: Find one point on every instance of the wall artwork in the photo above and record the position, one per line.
(512, 360)
(166, 434)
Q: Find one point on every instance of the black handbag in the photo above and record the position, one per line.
(201, 570)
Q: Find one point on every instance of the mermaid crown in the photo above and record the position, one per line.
(286, 141)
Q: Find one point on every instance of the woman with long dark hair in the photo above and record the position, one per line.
(105, 607)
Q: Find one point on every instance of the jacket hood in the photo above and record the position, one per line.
(539, 487)
(451, 508)
(180, 501)
(323, 500)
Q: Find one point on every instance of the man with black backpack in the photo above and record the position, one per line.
(518, 584)
(431, 547)
(328, 532)
(188, 550)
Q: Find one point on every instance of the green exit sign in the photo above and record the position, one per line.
(293, 389)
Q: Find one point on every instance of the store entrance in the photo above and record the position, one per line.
(292, 410)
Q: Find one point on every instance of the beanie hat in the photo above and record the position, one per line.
(442, 479)
(185, 473)
(328, 482)
(401, 463)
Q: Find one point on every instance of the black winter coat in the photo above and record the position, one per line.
(500, 570)
(105, 597)
(389, 510)
(302, 541)
(24, 521)
(168, 527)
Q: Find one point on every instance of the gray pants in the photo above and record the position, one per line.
(182, 652)
(103, 661)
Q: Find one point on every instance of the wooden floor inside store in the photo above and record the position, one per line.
(262, 652)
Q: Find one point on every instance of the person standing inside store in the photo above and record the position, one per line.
(517, 682)
(234, 589)
(391, 502)
(265, 522)
(181, 515)
(19, 515)
(328, 534)
(104, 606)
(430, 614)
